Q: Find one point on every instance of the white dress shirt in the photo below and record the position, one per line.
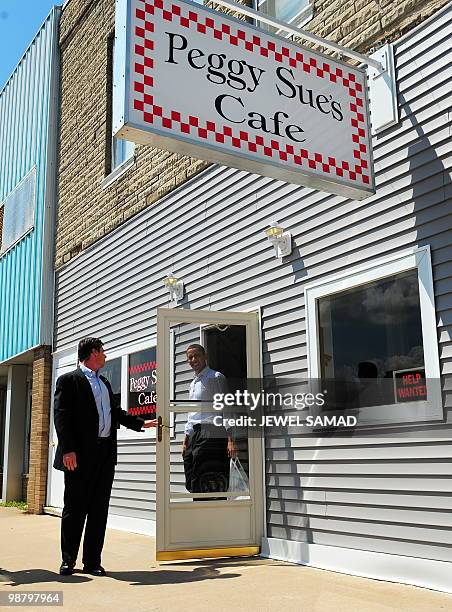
(102, 399)
(203, 387)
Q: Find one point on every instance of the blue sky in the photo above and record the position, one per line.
(19, 22)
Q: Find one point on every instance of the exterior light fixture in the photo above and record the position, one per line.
(175, 287)
(281, 240)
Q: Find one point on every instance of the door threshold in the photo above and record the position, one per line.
(203, 553)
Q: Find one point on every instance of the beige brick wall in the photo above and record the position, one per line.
(39, 431)
(364, 24)
(86, 212)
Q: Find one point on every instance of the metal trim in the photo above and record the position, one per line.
(202, 553)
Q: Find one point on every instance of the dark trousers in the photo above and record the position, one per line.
(86, 497)
(206, 461)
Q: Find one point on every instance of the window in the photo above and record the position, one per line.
(369, 333)
(18, 211)
(373, 333)
(295, 12)
(112, 372)
(119, 151)
(132, 372)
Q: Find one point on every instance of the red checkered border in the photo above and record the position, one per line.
(150, 408)
(144, 99)
(142, 367)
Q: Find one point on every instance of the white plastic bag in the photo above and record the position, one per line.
(238, 480)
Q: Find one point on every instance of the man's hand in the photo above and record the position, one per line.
(151, 423)
(70, 461)
(232, 450)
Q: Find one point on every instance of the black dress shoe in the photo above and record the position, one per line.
(94, 571)
(66, 569)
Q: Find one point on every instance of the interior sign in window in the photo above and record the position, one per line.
(410, 385)
(202, 83)
(142, 378)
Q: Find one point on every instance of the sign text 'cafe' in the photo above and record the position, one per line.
(205, 84)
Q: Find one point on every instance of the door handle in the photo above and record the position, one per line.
(160, 427)
(52, 444)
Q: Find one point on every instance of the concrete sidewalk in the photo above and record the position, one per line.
(29, 561)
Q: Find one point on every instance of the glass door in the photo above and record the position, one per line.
(203, 452)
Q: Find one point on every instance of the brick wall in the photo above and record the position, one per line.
(86, 212)
(39, 434)
(364, 24)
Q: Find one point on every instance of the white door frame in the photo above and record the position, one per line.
(176, 521)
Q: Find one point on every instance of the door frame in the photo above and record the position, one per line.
(168, 317)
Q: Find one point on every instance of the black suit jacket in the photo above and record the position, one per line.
(77, 420)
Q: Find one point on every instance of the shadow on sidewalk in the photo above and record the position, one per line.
(226, 562)
(36, 576)
(167, 576)
(171, 573)
(133, 577)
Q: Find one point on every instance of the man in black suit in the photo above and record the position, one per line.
(86, 422)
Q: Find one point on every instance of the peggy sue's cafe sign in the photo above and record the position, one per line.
(198, 82)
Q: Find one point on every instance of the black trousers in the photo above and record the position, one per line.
(206, 461)
(86, 498)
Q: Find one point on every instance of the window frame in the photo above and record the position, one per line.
(113, 172)
(414, 259)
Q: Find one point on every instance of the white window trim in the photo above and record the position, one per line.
(117, 172)
(417, 258)
(65, 356)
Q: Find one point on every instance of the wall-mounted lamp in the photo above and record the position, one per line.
(281, 240)
(175, 287)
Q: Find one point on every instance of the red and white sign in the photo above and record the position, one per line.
(201, 83)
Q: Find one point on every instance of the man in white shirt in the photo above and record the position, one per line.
(207, 448)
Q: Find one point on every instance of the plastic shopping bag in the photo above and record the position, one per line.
(238, 480)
